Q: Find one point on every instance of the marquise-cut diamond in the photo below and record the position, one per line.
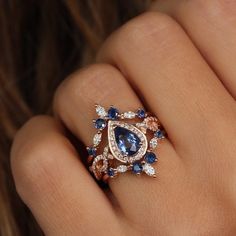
(101, 111)
(129, 115)
(97, 138)
(122, 168)
(149, 170)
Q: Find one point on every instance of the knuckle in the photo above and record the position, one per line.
(85, 84)
(32, 161)
(150, 28)
(24, 131)
(33, 168)
(212, 8)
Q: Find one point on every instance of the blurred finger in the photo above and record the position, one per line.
(55, 185)
(105, 85)
(211, 26)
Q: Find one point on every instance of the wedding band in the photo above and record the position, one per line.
(131, 138)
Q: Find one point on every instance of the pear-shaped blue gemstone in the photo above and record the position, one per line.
(128, 142)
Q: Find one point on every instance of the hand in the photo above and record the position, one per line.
(151, 59)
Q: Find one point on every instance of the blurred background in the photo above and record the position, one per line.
(41, 42)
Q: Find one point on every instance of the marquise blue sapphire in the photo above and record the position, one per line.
(128, 142)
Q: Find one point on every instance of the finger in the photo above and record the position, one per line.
(54, 183)
(103, 84)
(174, 80)
(211, 25)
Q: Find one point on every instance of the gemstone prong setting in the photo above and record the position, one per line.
(128, 147)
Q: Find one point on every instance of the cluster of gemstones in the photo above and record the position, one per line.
(128, 148)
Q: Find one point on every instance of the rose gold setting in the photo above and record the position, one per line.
(140, 131)
(99, 165)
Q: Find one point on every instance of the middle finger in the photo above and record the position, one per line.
(160, 60)
(103, 84)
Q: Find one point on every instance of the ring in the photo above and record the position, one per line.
(132, 136)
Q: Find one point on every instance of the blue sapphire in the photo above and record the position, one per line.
(150, 157)
(100, 123)
(128, 142)
(159, 134)
(141, 113)
(91, 151)
(113, 113)
(137, 168)
(111, 172)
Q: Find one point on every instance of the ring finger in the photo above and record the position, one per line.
(103, 84)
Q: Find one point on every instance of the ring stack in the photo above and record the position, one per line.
(131, 138)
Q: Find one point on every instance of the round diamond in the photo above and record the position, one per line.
(110, 156)
(137, 168)
(105, 151)
(150, 157)
(153, 143)
(97, 138)
(100, 123)
(113, 113)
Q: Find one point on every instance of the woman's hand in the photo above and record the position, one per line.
(189, 82)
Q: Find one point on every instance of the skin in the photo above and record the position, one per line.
(181, 64)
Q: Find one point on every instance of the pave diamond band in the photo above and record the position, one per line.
(132, 137)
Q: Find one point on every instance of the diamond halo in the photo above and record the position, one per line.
(114, 147)
(132, 136)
